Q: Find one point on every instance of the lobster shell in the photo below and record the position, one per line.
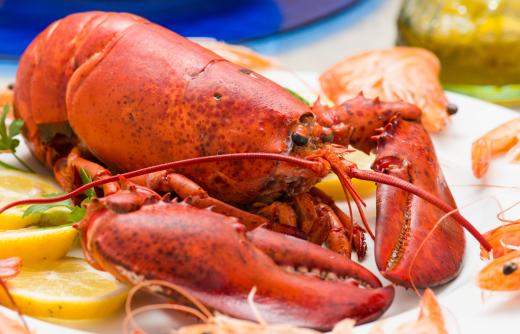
(102, 71)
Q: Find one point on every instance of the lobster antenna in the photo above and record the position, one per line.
(500, 215)
(315, 166)
(399, 183)
(348, 188)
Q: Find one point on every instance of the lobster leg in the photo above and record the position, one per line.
(337, 239)
(354, 232)
(282, 217)
(317, 221)
(67, 171)
(406, 252)
(280, 212)
(192, 193)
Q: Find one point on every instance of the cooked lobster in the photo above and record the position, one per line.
(112, 92)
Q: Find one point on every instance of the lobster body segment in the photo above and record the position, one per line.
(212, 257)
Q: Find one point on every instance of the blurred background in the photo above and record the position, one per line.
(478, 41)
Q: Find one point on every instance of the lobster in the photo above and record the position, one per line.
(106, 93)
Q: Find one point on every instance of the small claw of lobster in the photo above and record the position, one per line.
(411, 248)
(213, 258)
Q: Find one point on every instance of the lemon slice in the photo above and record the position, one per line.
(67, 289)
(14, 186)
(37, 244)
(332, 187)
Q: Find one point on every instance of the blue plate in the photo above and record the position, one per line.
(228, 20)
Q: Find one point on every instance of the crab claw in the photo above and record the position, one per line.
(218, 262)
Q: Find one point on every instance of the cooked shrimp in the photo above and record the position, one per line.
(501, 274)
(503, 239)
(399, 73)
(237, 54)
(430, 319)
(11, 326)
(9, 268)
(505, 137)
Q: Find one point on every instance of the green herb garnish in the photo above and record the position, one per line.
(85, 178)
(77, 212)
(298, 96)
(8, 142)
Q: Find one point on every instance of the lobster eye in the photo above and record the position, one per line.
(299, 139)
(509, 268)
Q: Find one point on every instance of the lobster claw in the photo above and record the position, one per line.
(411, 248)
(217, 261)
(319, 287)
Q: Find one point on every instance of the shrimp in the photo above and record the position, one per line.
(505, 137)
(399, 73)
(501, 274)
(9, 268)
(11, 326)
(503, 239)
(430, 319)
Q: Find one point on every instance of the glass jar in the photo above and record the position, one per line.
(477, 41)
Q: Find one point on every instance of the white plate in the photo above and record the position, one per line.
(465, 310)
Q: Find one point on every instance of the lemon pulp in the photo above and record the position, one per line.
(14, 186)
(332, 187)
(37, 244)
(67, 289)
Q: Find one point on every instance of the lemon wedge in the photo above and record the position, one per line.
(37, 244)
(67, 289)
(14, 186)
(332, 187)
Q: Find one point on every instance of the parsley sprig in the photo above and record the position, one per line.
(76, 211)
(8, 142)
